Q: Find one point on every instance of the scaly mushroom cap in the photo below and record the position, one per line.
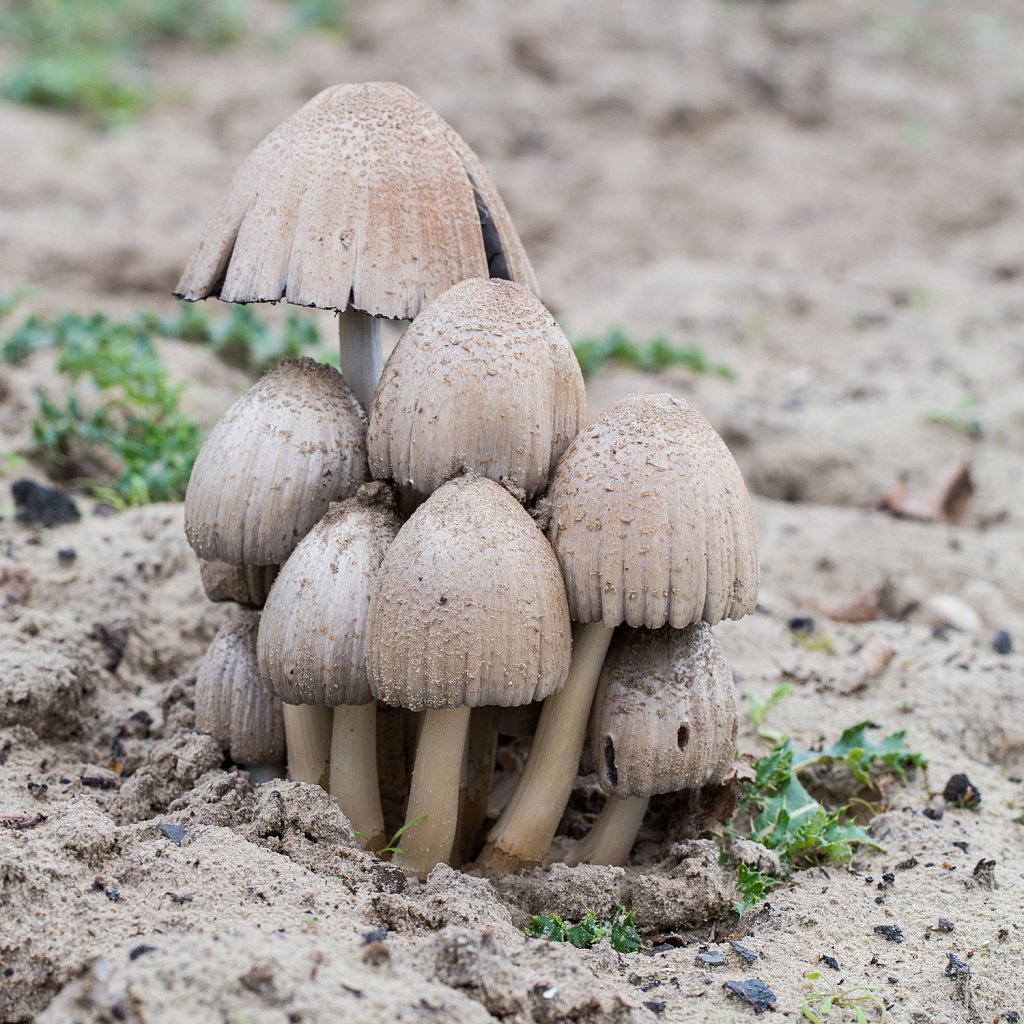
(243, 584)
(313, 629)
(651, 521)
(232, 704)
(363, 197)
(469, 607)
(664, 717)
(292, 444)
(483, 379)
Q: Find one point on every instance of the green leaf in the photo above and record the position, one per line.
(753, 886)
(624, 936)
(587, 933)
(547, 926)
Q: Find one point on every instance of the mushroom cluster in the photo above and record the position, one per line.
(423, 535)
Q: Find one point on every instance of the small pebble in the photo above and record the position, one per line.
(754, 993)
(944, 925)
(801, 624)
(177, 834)
(747, 954)
(830, 962)
(712, 958)
(961, 791)
(656, 1006)
(957, 967)
(1002, 642)
(935, 813)
(65, 556)
(140, 951)
(377, 935)
(890, 932)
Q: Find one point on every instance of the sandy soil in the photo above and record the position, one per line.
(826, 198)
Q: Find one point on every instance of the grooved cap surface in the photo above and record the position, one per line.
(483, 379)
(313, 629)
(469, 607)
(651, 520)
(364, 197)
(293, 443)
(664, 716)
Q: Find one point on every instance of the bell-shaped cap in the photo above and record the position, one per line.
(483, 379)
(292, 444)
(469, 607)
(247, 585)
(364, 197)
(664, 717)
(313, 630)
(651, 521)
(232, 704)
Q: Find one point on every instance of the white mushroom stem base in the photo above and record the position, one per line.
(361, 357)
(475, 786)
(613, 834)
(434, 793)
(354, 783)
(307, 734)
(521, 836)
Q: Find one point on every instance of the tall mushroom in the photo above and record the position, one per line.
(364, 201)
(469, 610)
(664, 720)
(293, 443)
(312, 641)
(652, 526)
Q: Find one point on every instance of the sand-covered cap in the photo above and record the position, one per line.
(664, 718)
(313, 628)
(483, 379)
(243, 584)
(232, 704)
(292, 444)
(469, 607)
(363, 197)
(651, 521)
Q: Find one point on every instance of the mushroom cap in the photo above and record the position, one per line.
(313, 629)
(243, 584)
(364, 197)
(232, 704)
(664, 716)
(469, 607)
(651, 521)
(483, 379)
(292, 444)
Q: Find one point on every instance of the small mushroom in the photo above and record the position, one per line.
(484, 379)
(366, 202)
(233, 705)
(664, 720)
(312, 640)
(652, 526)
(469, 611)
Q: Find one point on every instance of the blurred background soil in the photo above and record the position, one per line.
(821, 204)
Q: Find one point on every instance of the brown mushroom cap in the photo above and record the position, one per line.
(469, 607)
(483, 379)
(232, 704)
(293, 443)
(312, 633)
(244, 584)
(363, 197)
(651, 520)
(665, 713)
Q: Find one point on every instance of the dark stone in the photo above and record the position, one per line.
(890, 932)
(935, 813)
(712, 958)
(36, 505)
(801, 624)
(961, 791)
(830, 962)
(377, 935)
(944, 925)
(747, 954)
(985, 873)
(66, 555)
(140, 951)
(112, 893)
(754, 993)
(961, 845)
(656, 1006)
(177, 834)
(957, 967)
(1002, 642)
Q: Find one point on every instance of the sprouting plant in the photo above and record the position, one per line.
(659, 354)
(861, 999)
(392, 844)
(961, 417)
(759, 709)
(620, 929)
(753, 886)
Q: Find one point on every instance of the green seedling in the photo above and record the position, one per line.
(392, 844)
(828, 997)
(753, 886)
(655, 356)
(620, 930)
(960, 418)
(759, 709)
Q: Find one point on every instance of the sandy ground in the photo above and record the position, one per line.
(827, 199)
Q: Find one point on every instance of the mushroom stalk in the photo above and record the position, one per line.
(433, 807)
(354, 782)
(475, 788)
(521, 836)
(307, 730)
(612, 835)
(362, 359)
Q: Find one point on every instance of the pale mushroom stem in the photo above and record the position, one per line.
(354, 784)
(362, 359)
(475, 787)
(434, 793)
(521, 836)
(307, 733)
(612, 835)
